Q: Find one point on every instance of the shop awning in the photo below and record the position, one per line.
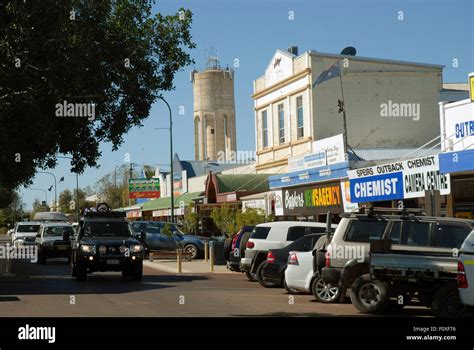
(165, 203)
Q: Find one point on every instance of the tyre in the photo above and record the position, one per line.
(137, 273)
(325, 292)
(250, 276)
(41, 257)
(81, 272)
(447, 303)
(369, 296)
(288, 289)
(227, 248)
(259, 276)
(73, 268)
(192, 249)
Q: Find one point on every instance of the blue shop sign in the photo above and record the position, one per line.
(377, 188)
(301, 177)
(454, 162)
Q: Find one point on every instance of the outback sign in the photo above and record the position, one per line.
(398, 180)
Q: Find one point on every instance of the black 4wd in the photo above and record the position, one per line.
(106, 242)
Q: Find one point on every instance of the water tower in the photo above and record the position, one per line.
(214, 112)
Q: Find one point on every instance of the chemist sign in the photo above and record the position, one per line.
(398, 180)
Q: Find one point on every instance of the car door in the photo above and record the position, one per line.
(154, 239)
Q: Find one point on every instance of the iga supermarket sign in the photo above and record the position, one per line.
(398, 180)
(144, 188)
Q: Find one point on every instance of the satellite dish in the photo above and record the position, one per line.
(349, 51)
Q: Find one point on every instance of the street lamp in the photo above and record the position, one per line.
(77, 187)
(55, 186)
(171, 156)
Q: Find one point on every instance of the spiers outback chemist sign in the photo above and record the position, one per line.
(398, 180)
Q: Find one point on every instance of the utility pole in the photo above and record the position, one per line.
(342, 108)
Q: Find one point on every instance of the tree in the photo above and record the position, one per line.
(250, 217)
(65, 198)
(39, 206)
(191, 219)
(224, 218)
(114, 57)
(13, 212)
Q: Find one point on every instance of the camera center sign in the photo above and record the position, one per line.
(398, 180)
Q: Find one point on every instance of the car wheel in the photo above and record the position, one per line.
(73, 268)
(250, 276)
(325, 292)
(288, 289)
(259, 276)
(447, 303)
(227, 248)
(369, 296)
(41, 257)
(137, 273)
(191, 248)
(81, 273)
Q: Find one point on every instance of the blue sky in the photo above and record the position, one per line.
(432, 31)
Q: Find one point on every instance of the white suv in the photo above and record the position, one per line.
(25, 233)
(274, 235)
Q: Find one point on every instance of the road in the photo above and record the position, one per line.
(48, 290)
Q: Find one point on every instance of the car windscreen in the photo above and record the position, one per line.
(57, 231)
(139, 226)
(115, 229)
(27, 228)
(260, 232)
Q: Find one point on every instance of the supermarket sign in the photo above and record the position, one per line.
(398, 180)
(144, 188)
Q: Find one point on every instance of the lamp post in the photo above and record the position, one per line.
(55, 187)
(171, 156)
(77, 187)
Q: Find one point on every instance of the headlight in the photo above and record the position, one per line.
(87, 248)
(137, 248)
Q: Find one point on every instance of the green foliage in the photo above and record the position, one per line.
(250, 217)
(13, 212)
(65, 198)
(114, 54)
(224, 218)
(190, 219)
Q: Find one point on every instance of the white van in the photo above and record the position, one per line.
(466, 271)
(274, 235)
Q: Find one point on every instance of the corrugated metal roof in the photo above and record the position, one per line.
(242, 182)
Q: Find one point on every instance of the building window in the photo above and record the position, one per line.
(281, 123)
(299, 115)
(264, 129)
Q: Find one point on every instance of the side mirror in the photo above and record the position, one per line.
(143, 236)
(66, 236)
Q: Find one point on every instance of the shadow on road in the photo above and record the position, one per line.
(54, 278)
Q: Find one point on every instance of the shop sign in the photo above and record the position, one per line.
(144, 188)
(398, 180)
(309, 201)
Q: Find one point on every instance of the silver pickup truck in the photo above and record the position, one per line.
(424, 276)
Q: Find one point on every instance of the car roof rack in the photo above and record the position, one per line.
(109, 214)
(372, 211)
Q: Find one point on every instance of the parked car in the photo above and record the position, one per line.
(235, 249)
(25, 233)
(303, 273)
(157, 240)
(466, 271)
(272, 272)
(273, 235)
(53, 241)
(409, 230)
